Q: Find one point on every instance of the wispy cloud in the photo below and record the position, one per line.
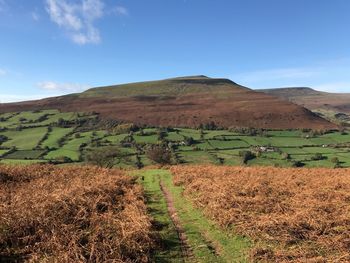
(121, 11)
(3, 5)
(35, 16)
(77, 19)
(62, 87)
(2, 72)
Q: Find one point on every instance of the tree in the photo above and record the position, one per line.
(106, 157)
(285, 156)
(189, 141)
(318, 157)
(159, 154)
(297, 164)
(138, 163)
(246, 156)
(3, 138)
(161, 133)
(335, 160)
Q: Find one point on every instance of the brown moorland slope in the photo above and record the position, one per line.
(72, 214)
(313, 99)
(184, 102)
(291, 214)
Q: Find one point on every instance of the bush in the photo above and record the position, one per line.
(297, 164)
(106, 157)
(285, 156)
(335, 160)
(159, 154)
(189, 141)
(246, 156)
(318, 157)
(3, 138)
(161, 133)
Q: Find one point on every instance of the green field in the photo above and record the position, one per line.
(71, 147)
(25, 139)
(50, 135)
(2, 152)
(55, 135)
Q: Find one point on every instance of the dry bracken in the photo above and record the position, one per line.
(291, 215)
(72, 214)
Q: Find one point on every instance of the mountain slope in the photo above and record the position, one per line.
(313, 99)
(184, 102)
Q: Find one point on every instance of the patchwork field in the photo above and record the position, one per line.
(52, 136)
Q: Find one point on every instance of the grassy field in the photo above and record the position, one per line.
(2, 152)
(71, 147)
(55, 135)
(25, 139)
(67, 137)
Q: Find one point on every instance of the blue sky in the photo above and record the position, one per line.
(52, 47)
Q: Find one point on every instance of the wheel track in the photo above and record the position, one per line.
(185, 247)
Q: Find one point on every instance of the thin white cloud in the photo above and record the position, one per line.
(62, 87)
(2, 72)
(35, 16)
(121, 11)
(77, 19)
(3, 5)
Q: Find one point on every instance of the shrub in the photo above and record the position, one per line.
(246, 156)
(161, 133)
(318, 157)
(189, 141)
(106, 157)
(159, 154)
(335, 160)
(285, 156)
(297, 164)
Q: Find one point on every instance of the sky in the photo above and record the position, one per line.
(54, 47)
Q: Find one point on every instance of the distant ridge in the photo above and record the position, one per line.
(313, 99)
(189, 101)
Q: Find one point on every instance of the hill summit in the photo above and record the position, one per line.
(189, 101)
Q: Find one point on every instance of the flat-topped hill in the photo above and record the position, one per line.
(184, 102)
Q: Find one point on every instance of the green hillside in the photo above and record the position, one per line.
(168, 87)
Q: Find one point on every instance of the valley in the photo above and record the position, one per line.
(51, 136)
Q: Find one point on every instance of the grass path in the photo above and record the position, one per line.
(186, 234)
